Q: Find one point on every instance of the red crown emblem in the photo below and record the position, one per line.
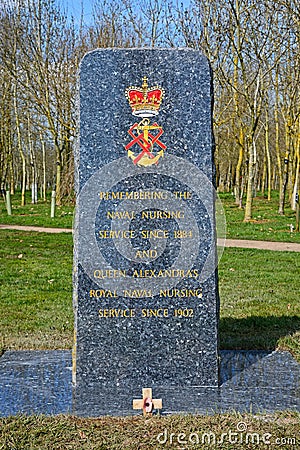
(144, 101)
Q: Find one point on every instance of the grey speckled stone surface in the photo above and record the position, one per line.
(35, 382)
(176, 349)
(251, 381)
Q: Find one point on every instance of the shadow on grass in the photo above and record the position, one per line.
(258, 333)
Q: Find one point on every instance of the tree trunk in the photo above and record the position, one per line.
(269, 172)
(297, 174)
(284, 185)
(277, 149)
(285, 172)
(23, 159)
(44, 166)
(237, 187)
(251, 173)
(32, 163)
(264, 176)
(58, 175)
(11, 176)
(229, 178)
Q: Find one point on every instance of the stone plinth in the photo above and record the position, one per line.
(145, 283)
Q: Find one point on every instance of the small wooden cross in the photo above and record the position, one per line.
(147, 403)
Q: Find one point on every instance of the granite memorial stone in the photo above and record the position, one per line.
(145, 282)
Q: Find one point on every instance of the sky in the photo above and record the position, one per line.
(74, 8)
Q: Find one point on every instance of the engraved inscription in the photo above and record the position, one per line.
(145, 313)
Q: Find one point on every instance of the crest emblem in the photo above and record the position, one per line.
(145, 148)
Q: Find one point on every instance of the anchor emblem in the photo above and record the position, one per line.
(145, 136)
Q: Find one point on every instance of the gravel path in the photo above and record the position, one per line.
(263, 245)
(240, 243)
(40, 229)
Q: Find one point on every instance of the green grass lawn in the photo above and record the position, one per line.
(266, 224)
(279, 430)
(259, 310)
(37, 214)
(36, 290)
(260, 306)
(259, 295)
